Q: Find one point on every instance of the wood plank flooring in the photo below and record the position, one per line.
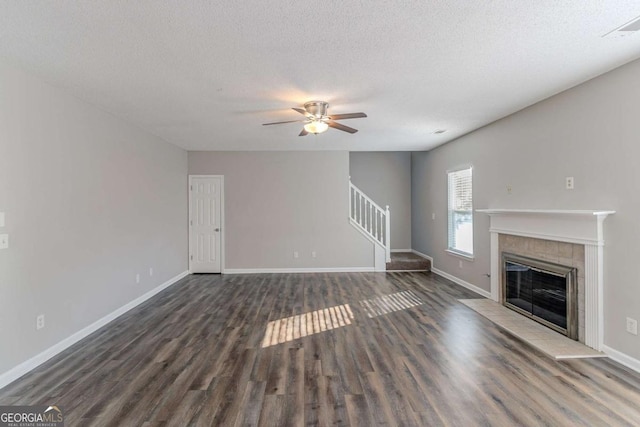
(194, 355)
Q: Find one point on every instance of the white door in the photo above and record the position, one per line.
(205, 201)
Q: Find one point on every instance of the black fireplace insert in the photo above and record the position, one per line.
(543, 291)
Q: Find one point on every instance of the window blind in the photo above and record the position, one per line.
(460, 233)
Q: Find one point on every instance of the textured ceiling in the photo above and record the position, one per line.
(204, 75)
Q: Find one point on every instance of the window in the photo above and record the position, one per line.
(461, 212)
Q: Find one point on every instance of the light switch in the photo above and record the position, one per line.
(1, 219)
(4, 241)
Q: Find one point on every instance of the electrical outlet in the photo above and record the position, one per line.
(137, 278)
(4, 241)
(509, 189)
(296, 254)
(40, 322)
(569, 184)
(313, 254)
(433, 215)
(632, 326)
(150, 271)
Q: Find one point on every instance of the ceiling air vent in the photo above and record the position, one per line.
(626, 29)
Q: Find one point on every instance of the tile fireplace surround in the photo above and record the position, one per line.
(569, 237)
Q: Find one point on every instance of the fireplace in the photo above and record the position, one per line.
(550, 230)
(543, 291)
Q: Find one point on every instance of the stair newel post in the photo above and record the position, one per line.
(387, 232)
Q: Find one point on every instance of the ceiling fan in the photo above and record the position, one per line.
(317, 120)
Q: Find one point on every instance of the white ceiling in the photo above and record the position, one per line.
(204, 75)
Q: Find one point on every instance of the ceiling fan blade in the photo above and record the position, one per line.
(279, 123)
(347, 116)
(303, 133)
(342, 127)
(303, 112)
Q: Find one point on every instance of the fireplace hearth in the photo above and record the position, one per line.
(543, 291)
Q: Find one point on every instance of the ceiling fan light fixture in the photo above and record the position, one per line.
(316, 126)
(318, 121)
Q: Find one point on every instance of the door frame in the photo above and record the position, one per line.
(222, 226)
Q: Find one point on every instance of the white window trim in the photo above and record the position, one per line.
(459, 254)
(450, 250)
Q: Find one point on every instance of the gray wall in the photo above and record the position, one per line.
(590, 132)
(386, 178)
(90, 201)
(280, 202)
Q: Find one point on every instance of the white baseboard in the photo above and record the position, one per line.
(401, 250)
(18, 371)
(423, 255)
(622, 358)
(462, 283)
(299, 270)
(453, 278)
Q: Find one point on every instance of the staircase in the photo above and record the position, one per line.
(375, 224)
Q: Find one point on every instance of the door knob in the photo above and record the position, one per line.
(216, 230)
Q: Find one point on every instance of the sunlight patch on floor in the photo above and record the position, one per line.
(295, 327)
(389, 303)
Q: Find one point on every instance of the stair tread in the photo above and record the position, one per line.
(408, 261)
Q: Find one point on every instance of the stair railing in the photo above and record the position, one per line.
(370, 218)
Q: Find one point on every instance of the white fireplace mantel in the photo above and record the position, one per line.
(584, 227)
(574, 226)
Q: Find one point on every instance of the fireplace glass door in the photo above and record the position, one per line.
(539, 290)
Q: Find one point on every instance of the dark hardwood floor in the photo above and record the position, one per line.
(196, 354)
